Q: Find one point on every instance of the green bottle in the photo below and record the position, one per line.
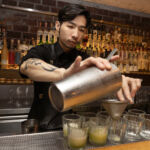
(40, 42)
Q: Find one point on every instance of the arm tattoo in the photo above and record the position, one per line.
(36, 62)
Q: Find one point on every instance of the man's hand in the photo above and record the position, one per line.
(129, 88)
(79, 65)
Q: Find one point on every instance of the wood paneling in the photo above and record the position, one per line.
(136, 5)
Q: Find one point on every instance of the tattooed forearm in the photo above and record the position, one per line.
(32, 61)
(37, 62)
(49, 69)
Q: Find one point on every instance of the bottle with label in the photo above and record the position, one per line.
(47, 42)
(45, 34)
(40, 42)
(53, 34)
(39, 34)
(11, 53)
(4, 52)
(24, 48)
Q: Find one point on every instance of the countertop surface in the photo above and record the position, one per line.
(55, 141)
(143, 145)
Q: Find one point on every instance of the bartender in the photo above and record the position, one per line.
(47, 63)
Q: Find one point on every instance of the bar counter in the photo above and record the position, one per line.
(142, 145)
(55, 141)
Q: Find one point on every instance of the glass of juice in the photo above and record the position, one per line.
(77, 137)
(74, 120)
(98, 131)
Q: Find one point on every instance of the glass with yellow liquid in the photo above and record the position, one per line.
(98, 131)
(74, 120)
(77, 137)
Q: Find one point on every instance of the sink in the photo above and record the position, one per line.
(10, 124)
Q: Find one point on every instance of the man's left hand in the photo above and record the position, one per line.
(129, 88)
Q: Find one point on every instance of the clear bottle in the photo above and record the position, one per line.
(4, 52)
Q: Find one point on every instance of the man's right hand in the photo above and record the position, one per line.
(79, 65)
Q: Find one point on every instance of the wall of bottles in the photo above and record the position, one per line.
(133, 44)
(16, 49)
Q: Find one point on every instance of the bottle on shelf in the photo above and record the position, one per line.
(17, 53)
(45, 34)
(11, 53)
(4, 52)
(1, 38)
(51, 34)
(40, 41)
(39, 34)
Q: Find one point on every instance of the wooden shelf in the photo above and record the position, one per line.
(12, 76)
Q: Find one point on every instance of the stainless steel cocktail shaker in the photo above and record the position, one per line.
(83, 87)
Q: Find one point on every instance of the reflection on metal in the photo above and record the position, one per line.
(29, 10)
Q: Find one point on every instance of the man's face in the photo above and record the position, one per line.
(71, 32)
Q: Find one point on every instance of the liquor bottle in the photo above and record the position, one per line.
(89, 42)
(135, 58)
(140, 37)
(115, 33)
(31, 43)
(39, 34)
(94, 53)
(4, 52)
(51, 34)
(47, 41)
(17, 53)
(1, 38)
(11, 53)
(140, 57)
(119, 35)
(45, 34)
(40, 41)
(24, 48)
(136, 36)
(84, 42)
(55, 34)
(131, 37)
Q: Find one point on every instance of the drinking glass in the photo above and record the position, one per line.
(105, 113)
(145, 131)
(77, 137)
(73, 120)
(86, 119)
(134, 125)
(137, 112)
(117, 131)
(98, 131)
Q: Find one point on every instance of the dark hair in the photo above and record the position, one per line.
(71, 11)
